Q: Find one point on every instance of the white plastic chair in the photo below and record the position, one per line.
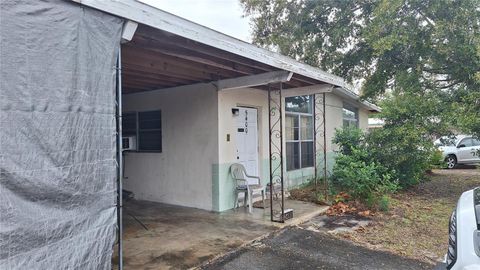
(239, 175)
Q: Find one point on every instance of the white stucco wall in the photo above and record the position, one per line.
(363, 119)
(182, 173)
(193, 169)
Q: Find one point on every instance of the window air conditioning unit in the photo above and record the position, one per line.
(129, 143)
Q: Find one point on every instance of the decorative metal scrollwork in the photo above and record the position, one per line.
(276, 186)
(320, 144)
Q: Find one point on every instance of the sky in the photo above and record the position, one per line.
(222, 15)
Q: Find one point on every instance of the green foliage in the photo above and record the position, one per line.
(384, 203)
(405, 145)
(404, 153)
(378, 201)
(370, 166)
(437, 160)
(355, 171)
(419, 59)
(427, 49)
(348, 139)
(359, 178)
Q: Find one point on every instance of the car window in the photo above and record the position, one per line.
(476, 142)
(467, 142)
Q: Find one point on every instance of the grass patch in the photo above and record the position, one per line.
(416, 224)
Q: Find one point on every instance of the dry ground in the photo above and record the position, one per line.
(417, 224)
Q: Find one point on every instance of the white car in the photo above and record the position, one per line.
(461, 149)
(464, 233)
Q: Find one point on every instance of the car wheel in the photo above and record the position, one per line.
(451, 161)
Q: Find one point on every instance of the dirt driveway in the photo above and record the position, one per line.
(417, 224)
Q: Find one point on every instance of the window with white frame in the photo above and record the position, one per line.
(146, 127)
(299, 132)
(350, 116)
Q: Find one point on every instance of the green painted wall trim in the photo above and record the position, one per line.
(215, 188)
(223, 186)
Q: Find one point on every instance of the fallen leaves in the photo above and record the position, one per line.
(341, 197)
(417, 224)
(339, 208)
(365, 213)
(343, 206)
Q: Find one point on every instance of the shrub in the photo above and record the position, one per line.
(348, 138)
(438, 162)
(371, 166)
(361, 178)
(404, 145)
(405, 153)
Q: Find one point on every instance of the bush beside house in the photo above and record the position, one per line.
(371, 166)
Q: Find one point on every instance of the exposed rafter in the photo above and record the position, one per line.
(159, 19)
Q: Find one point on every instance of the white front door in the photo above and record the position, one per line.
(247, 141)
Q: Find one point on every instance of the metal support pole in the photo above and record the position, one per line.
(282, 219)
(320, 144)
(270, 151)
(315, 174)
(119, 160)
(325, 180)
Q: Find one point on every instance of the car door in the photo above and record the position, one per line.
(465, 150)
(476, 150)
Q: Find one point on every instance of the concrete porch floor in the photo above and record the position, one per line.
(181, 237)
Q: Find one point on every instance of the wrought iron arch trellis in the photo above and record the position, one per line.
(276, 185)
(275, 124)
(320, 144)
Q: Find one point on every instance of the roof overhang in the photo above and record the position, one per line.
(349, 95)
(159, 19)
(168, 51)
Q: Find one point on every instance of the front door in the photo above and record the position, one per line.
(247, 141)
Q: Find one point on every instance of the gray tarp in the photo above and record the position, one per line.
(57, 135)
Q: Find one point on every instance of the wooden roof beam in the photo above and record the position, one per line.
(155, 77)
(164, 71)
(254, 80)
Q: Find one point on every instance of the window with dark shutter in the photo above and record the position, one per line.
(146, 127)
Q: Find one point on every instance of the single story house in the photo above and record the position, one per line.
(205, 125)
(202, 131)
(77, 76)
